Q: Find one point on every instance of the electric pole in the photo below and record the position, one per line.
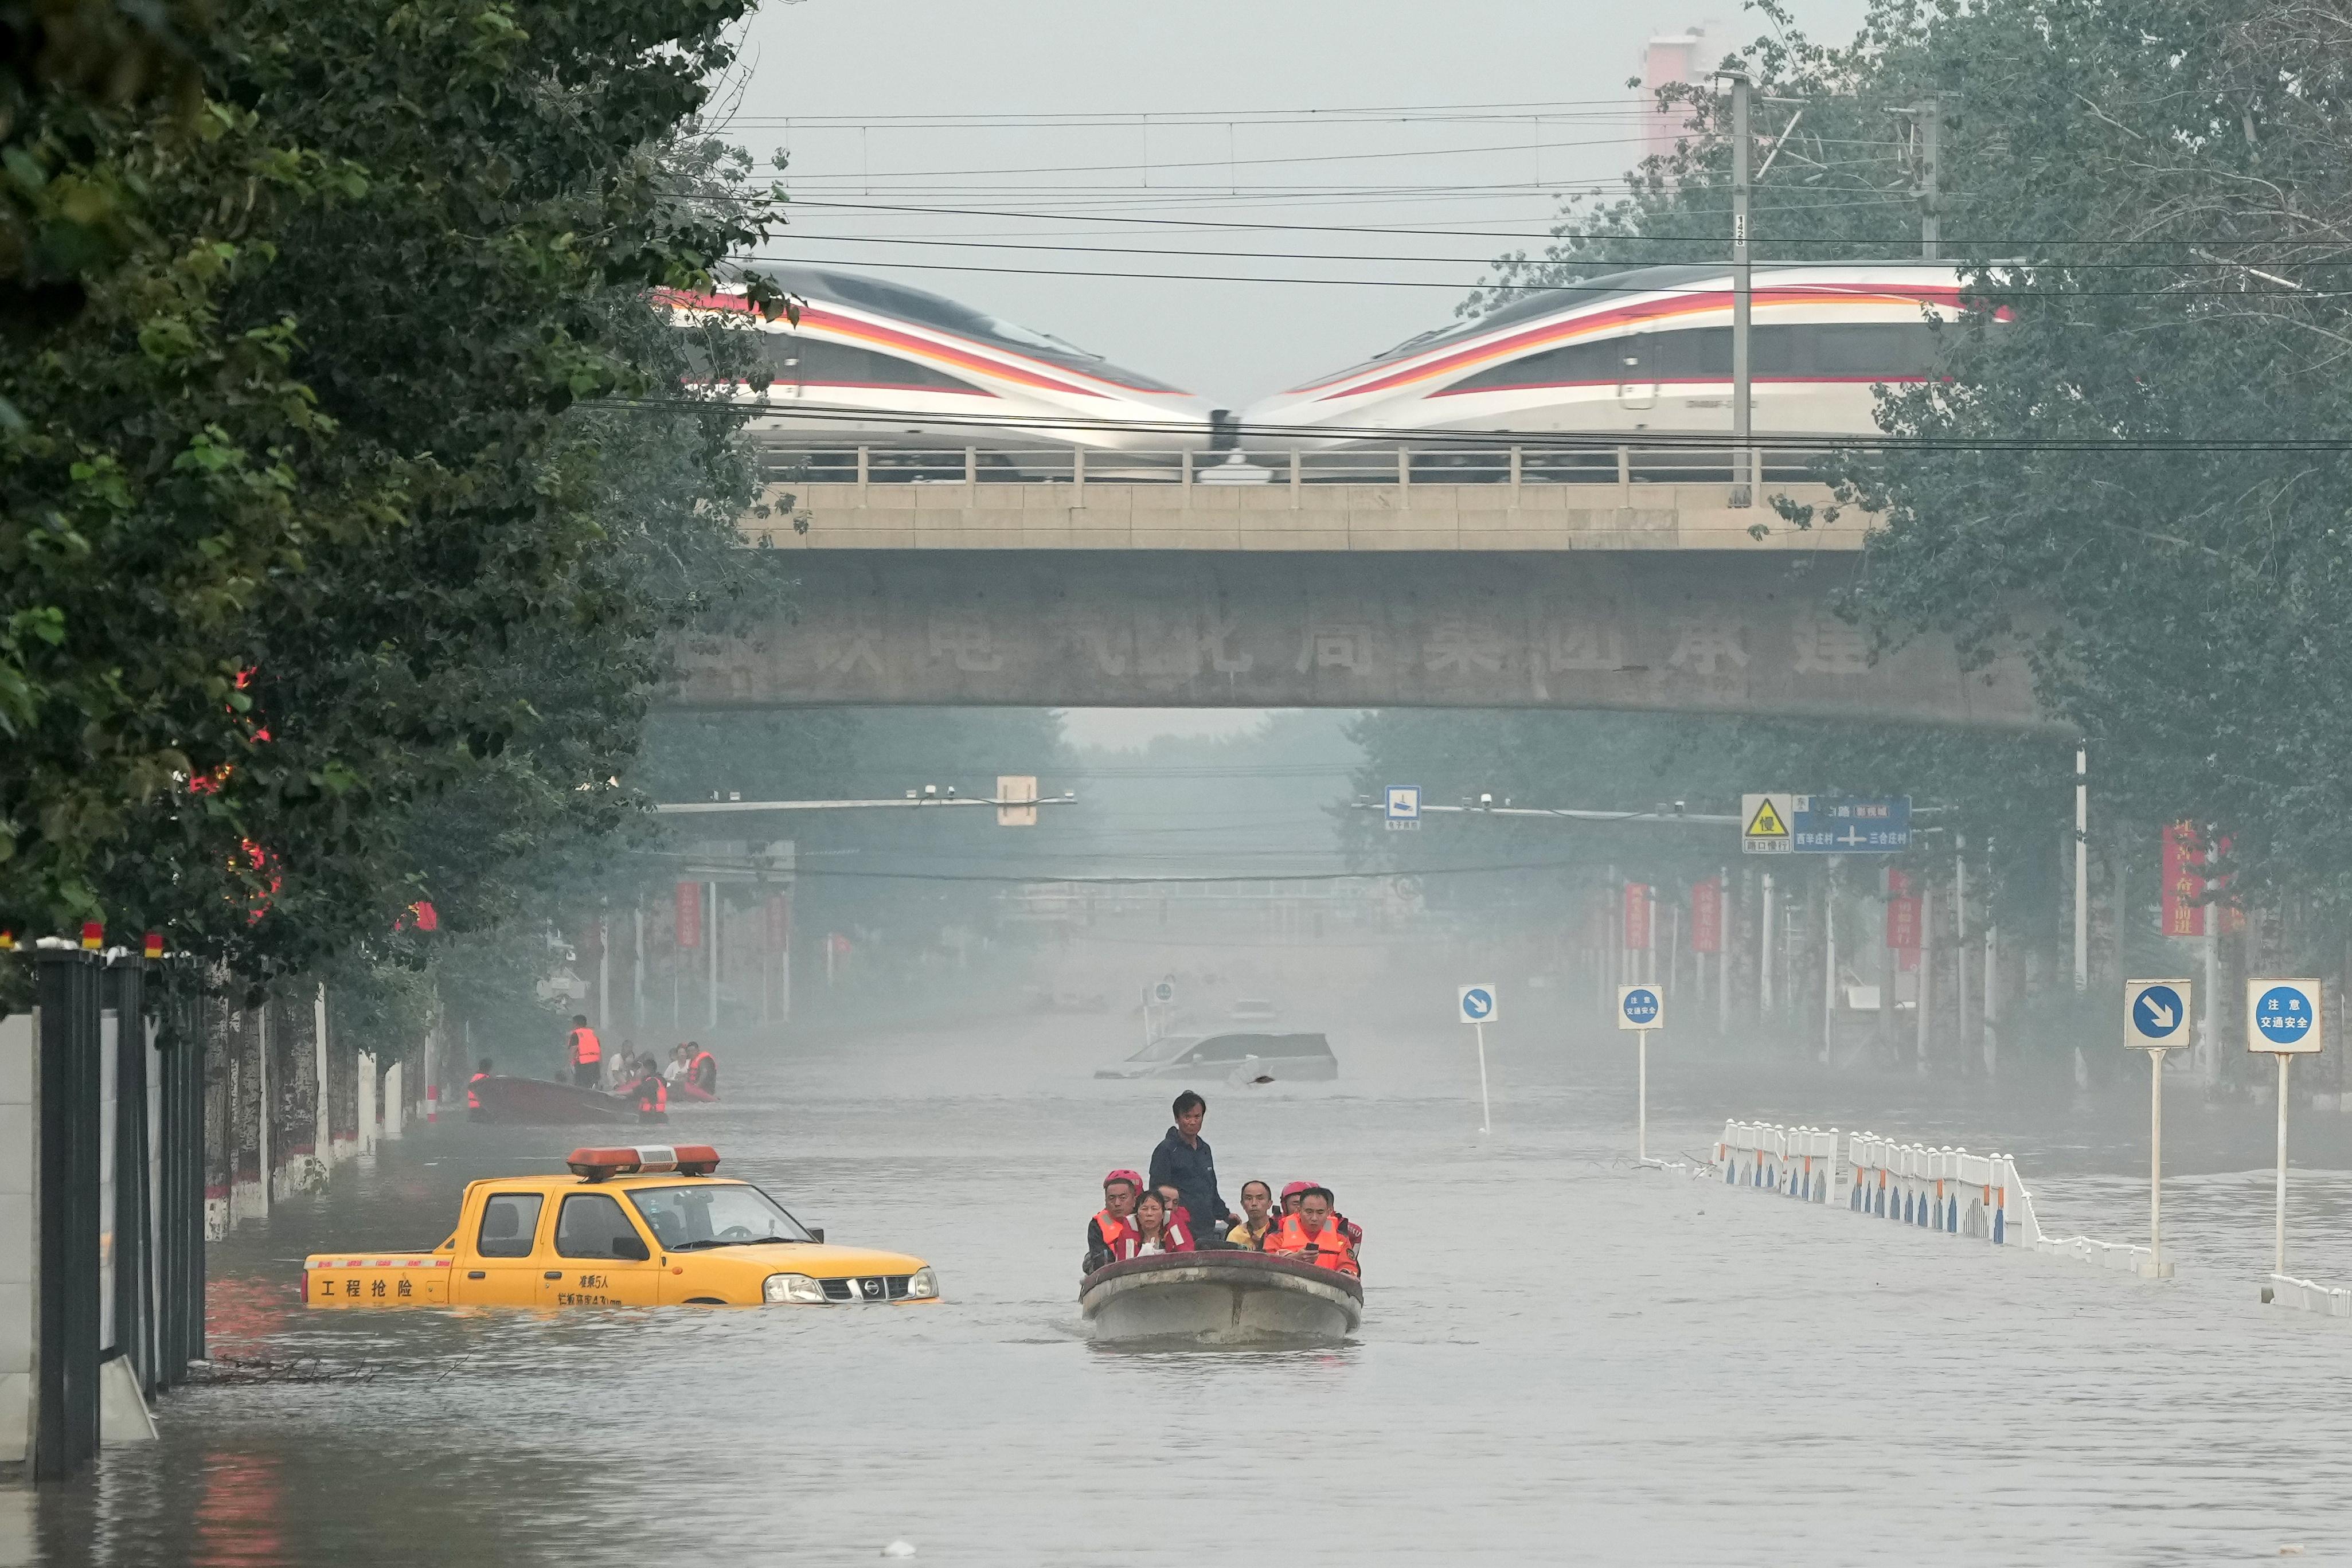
(1929, 117)
(1742, 382)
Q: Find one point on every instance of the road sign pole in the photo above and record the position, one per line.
(1642, 1104)
(1486, 1108)
(2278, 1237)
(2156, 1162)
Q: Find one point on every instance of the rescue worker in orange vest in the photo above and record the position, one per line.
(473, 1090)
(702, 1070)
(587, 1053)
(1311, 1237)
(1106, 1230)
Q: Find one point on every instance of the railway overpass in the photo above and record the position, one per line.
(1498, 594)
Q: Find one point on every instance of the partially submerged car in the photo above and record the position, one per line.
(1237, 1058)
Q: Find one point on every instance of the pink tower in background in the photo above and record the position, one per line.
(1685, 57)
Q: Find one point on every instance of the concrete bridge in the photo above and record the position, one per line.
(1655, 596)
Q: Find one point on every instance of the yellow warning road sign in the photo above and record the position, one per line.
(1766, 831)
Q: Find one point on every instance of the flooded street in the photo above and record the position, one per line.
(1563, 1358)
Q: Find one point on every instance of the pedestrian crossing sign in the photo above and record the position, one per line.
(1766, 831)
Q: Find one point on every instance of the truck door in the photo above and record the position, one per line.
(499, 1272)
(601, 1258)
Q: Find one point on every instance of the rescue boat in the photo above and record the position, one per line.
(543, 1103)
(1219, 1299)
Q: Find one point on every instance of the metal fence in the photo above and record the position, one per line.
(1622, 465)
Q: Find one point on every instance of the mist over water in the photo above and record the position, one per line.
(1563, 1357)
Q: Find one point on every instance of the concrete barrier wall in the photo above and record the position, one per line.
(1975, 1196)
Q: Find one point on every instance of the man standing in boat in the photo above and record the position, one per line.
(586, 1051)
(1184, 1162)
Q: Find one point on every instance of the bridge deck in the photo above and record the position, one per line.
(1113, 516)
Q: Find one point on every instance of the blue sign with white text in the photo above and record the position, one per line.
(2283, 1015)
(1830, 825)
(1640, 1005)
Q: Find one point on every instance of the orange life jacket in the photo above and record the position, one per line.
(702, 1067)
(1331, 1248)
(653, 1094)
(474, 1100)
(1114, 1233)
(585, 1047)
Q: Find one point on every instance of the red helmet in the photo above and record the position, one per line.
(1129, 1178)
(1292, 1189)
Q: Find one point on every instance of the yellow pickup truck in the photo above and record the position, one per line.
(628, 1227)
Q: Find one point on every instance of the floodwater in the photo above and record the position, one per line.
(1564, 1359)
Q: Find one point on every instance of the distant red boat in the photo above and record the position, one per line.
(542, 1102)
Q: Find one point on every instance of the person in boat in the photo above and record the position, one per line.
(473, 1090)
(1310, 1236)
(1155, 1230)
(1180, 1220)
(586, 1053)
(1291, 1192)
(1183, 1161)
(674, 1069)
(1257, 1220)
(701, 1068)
(1108, 1230)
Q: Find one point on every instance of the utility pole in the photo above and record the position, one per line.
(1929, 113)
(2082, 867)
(1742, 383)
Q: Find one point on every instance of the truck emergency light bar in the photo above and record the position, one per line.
(687, 1159)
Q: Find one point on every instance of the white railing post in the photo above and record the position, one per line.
(970, 467)
(1187, 455)
(1515, 471)
(1077, 475)
(1294, 481)
(865, 472)
(1625, 475)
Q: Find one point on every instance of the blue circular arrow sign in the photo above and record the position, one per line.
(1640, 1005)
(2283, 1014)
(2157, 1013)
(1478, 1003)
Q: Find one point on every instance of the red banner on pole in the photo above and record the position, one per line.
(690, 915)
(1637, 916)
(2184, 881)
(1903, 923)
(1707, 915)
(779, 922)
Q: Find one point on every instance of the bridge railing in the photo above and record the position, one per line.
(1622, 466)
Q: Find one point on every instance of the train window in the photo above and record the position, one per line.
(820, 362)
(1877, 350)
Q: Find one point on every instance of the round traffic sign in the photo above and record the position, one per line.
(1477, 1002)
(2283, 1015)
(1163, 992)
(1640, 1005)
(2157, 1013)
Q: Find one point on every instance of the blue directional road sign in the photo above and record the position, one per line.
(1832, 825)
(2283, 1016)
(1404, 806)
(2156, 1013)
(1641, 1007)
(1477, 1004)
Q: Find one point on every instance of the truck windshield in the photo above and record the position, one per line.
(708, 1214)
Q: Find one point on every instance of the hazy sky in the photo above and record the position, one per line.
(1040, 159)
(1307, 116)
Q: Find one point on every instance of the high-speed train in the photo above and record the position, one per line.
(1633, 357)
(917, 378)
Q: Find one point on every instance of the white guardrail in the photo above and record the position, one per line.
(1948, 1189)
(2307, 1296)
